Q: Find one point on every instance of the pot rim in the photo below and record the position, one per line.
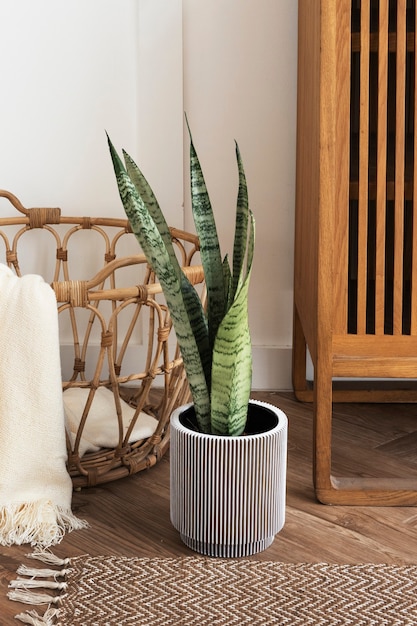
(280, 427)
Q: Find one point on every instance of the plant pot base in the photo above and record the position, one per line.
(226, 551)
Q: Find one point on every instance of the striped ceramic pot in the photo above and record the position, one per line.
(228, 493)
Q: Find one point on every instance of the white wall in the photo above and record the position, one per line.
(240, 83)
(70, 70)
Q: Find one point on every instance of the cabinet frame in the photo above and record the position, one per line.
(326, 191)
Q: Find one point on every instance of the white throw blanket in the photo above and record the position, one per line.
(35, 487)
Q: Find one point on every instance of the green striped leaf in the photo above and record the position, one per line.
(149, 199)
(198, 322)
(191, 298)
(209, 245)
(153, 246)
(241, 228)
(216, 347)
(232, 359)
(231, 373)
(227, 277)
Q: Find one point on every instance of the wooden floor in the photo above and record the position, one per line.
(131, 516)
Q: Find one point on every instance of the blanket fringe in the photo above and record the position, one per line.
(38, 523)
(32, 584)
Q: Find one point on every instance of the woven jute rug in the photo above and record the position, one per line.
(107, 591)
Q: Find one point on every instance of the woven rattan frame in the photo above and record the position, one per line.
(159, 385)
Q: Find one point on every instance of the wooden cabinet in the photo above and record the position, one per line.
(355, 279)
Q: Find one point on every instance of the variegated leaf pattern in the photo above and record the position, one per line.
(149, 199)
(144, 228)
(209, 245)
(191, 298)
(216, 347)
(241, 228)
(232, 359)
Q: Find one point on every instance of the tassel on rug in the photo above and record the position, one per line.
(33, 618)
(33, 584)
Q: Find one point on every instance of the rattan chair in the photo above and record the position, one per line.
(115, 323)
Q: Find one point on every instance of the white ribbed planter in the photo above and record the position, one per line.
(228, 493)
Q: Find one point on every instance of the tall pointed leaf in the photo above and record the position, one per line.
(146, 193)
(209, 245)
(231, 372)
(198, 323)
(191, 298)
(216, 348)
(232, 359)
(241, 228)
(158, 258)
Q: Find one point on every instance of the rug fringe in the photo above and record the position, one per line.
(32, 583)
(26, 597)
(23, 570)
(47, 557)
(31, 578)
(33, 618)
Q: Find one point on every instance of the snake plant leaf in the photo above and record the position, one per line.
(216, 346)
(198, 322)
(231, 374)
(153, 246)
(209, 245)
(227, 277)
(191, 298)
(241, 227)
(232, 359)
(146, 193)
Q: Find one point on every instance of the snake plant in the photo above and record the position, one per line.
(214, 341)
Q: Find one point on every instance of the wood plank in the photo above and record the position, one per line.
(381, 175)
(341, 205)
(413, 328)
(308, 167)
(399, 167)
(364, 98)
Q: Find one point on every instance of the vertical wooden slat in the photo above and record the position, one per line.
(413, 329)
(381, 171)
(341, 233)
(363, 167)
(327, 218)
(399, 167)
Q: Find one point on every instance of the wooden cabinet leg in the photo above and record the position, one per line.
(345, 490)
(322, 433)
(299, 354)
